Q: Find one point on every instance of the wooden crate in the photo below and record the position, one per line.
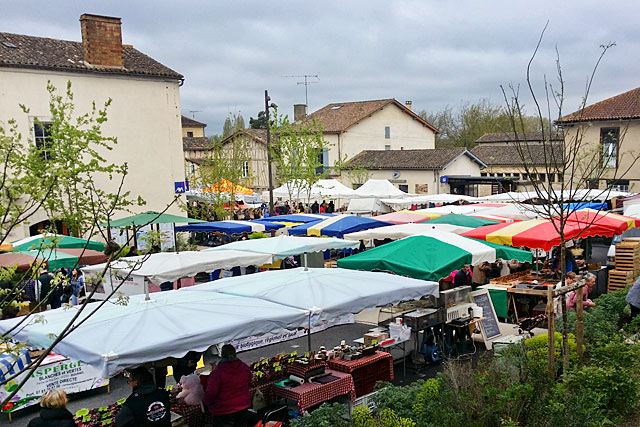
(620, 279)
(628, 255)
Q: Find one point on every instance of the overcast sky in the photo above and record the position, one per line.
(434, 53)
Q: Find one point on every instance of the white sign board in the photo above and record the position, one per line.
(70, 376)
(167, 237)
(132, 285)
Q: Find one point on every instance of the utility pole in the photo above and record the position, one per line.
(267, 98)
(306, 84)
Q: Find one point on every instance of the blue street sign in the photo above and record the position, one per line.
(444, 179)
(179, 187)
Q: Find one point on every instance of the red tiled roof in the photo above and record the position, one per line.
(186, 121)
(338, 117)
(424, 159)
(620, 107)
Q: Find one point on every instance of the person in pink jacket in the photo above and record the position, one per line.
(227, 395)
(586, 302)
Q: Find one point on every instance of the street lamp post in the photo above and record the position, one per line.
(267, 98)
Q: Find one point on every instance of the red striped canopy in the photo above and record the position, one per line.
(602, 223)
(534, 233)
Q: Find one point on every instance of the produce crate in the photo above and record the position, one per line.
(628, 255)
(620, 279)
(365, 400)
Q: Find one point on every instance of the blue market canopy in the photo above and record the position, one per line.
(337, 226)
(301, 218)
(285, 246)
(231, 227)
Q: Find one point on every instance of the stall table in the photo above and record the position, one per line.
(512, 292)
(308, 395)
(366, 371)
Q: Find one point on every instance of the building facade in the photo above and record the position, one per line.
(611, 127)
(144, 114)
(253, 143)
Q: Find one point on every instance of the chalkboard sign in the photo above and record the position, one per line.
(489, 326)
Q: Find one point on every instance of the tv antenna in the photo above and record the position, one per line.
(193, 113)
(306, 84)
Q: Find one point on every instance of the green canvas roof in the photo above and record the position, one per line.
(56, 240)
(150, 217)
(462, 220)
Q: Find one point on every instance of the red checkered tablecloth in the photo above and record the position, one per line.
(299, 370)
(366, 371)
(308, 395)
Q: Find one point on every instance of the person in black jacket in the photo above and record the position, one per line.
(147, 405)
(54, 412)
(463, 277)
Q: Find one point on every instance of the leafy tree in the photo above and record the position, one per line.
(58, 177)
(466, 124)
(232, 124)
(260, 122)
(297, 151)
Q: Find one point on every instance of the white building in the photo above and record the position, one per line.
(144, 114)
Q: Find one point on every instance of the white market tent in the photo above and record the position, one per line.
(380, 189)
(325, 293)
(633, 210)
(323, 189)
(456, 209)
(285, 246)
(364, 207)
(197, 317)
(170, 324)
(430, 198)
(516, 211)
(400, 231)
(169, 266)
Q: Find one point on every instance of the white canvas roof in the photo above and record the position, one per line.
(401, 231)
(170, 266)
(380, 189)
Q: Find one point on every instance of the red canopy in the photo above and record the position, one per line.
(85, 256)
(23, 261)
(599, 223)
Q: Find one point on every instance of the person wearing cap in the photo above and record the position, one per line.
(227, 395)
(148, 405)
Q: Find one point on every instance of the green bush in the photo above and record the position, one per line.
(326, 415)
(400, 399)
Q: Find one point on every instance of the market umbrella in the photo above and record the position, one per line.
(55, 259)
(400, 231)
(22, 261)
(56, 241)
(150, 217)
(495, 218)
(595, 222)
(406, 217)
(225, 186)
(5, 247)
(326, 293)
(231, 227)
(534, 233)
(85, 256)
(171, 323)
(285, 246)
(462, 220)
(336, 226)
(430, 257)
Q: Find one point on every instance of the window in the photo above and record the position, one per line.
(245, 169)
(525, 177)
(499, 175)
(387, 148)
(609, 141)
(507, 174)
(323, 158)
(492, 174)
(618, 184)
(42, 138)
(387, 132)
(483, 174)
(190, 134)
(404, 187)
(516, 175)
(193, 168)
(552, 177)
(542, 177)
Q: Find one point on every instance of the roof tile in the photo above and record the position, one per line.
(620, 107)
(427, 159)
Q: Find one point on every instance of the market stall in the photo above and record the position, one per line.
(139, 271)
(285, 246)
(323, 189)
(52, 259)
(379, 189)
(336, 226)
(462, 220)
(401, 231)
(430, 257)
(406, 217)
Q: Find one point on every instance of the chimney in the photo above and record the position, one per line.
(408, 104)
(299, 112)
(102, 40)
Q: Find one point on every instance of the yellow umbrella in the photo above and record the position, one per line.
(5, 247)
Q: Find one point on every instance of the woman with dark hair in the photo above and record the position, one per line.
(227, 395)
(77, 282)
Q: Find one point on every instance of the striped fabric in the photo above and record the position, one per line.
(9, 365)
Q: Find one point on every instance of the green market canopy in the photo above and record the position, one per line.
(430, 257)
(150, 217)
(462, 220)
(55, 241)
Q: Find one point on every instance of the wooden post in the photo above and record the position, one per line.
(579, 324)
(551, 333)
(565, 334)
